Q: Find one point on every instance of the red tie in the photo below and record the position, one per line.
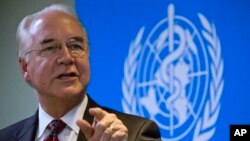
(55, 126)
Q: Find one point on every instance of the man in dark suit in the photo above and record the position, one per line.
(54, 59)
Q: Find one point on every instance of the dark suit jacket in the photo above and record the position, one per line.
(139, 129)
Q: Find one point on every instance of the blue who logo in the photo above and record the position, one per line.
(174, 77)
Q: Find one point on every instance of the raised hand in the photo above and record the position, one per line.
(106, 127)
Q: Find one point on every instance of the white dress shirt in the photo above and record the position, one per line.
(71, 131)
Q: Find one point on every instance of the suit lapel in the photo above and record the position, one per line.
(87, 117)
(28, 131)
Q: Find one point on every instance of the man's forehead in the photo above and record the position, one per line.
(51, 21)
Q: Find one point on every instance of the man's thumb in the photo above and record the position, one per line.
(85, 127)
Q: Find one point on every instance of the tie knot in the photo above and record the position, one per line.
(56, 126)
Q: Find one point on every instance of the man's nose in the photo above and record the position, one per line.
(65, 56)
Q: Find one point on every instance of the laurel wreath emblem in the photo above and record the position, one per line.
(212, 107)
(205, 127)
(128, 84)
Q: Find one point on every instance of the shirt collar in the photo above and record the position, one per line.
(69, 118)
(75, 114)
(44, 120)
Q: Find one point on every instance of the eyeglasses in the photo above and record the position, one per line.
(77, 47)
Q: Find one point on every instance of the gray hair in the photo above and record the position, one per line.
(23, 36)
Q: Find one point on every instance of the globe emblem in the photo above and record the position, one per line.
(172, 76)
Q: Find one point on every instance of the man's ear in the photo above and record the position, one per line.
(24, 69)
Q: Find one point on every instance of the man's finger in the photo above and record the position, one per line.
(119, 136)
(85, 128)
(103, 124)
(98, 113)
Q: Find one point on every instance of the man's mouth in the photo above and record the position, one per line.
(67, 75)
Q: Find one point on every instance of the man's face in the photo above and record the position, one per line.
(58, 75)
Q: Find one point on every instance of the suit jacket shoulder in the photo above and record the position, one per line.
(139, 129)
(22, 130)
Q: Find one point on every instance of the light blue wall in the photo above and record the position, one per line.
(17, 99)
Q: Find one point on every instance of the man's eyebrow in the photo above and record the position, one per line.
(77, 38)
(45, 41)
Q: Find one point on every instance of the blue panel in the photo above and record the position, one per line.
(184, 64)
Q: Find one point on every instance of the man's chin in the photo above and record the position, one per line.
(69, 92)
